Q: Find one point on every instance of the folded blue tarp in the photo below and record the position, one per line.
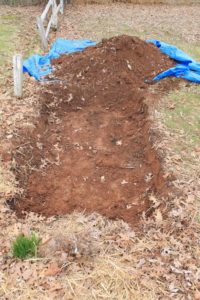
(186, 67)
(39, 66)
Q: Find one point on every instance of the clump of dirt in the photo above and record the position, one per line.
(90, 149)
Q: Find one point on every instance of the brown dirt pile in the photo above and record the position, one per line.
(91, 147)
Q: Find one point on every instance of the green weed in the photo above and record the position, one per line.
(25, 247)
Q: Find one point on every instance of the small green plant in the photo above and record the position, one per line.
(25, 247)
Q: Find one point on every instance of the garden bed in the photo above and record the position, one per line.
(91, 149)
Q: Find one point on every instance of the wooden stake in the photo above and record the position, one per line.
(42, 33)
(18, 74)
(62, 6)
(54, 15)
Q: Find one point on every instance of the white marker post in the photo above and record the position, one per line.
(18, 74)
(62, 6)
(42, 32)
(54, 22)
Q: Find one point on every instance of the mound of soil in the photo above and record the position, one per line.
(91, 149)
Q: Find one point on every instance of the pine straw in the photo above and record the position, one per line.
(111, 262)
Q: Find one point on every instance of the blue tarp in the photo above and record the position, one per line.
(186, 67)
(39, 66)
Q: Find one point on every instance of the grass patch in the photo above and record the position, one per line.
(10, 27)
(185, 116)
(8, 30)
(25, 247)
(12, 32)
(10, 17)
(33, 47)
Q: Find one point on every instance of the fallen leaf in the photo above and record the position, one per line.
(197, 295)
(155, 201)
(197, 149)
(53, 269)
(171, 106)
(158, 216)
(55, 286)
(119, 142)
(27, 274)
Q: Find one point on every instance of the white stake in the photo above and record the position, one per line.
(18, 74)
(62, 6)
(42, 32)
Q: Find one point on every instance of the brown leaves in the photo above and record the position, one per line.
(197, 295)
(25, 271)
(197, 149)
(53, 269)
(171, 106)
(27, 274)
(158, 217)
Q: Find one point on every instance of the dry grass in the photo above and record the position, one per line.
(91, 257)
(177, 120)
(17, 35)
(173, 2)
(172, 24)
(111, 262)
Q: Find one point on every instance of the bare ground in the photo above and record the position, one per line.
(112, 261)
